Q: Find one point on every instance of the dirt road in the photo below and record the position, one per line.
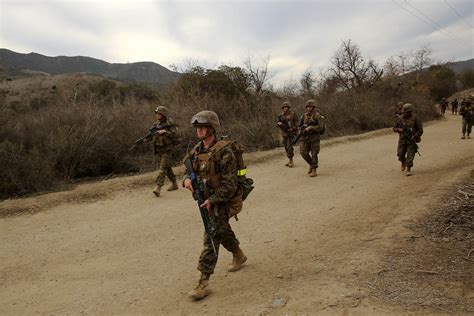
(312, 243)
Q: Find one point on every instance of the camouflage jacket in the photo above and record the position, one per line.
(217, 169)
(412, 126)
(169, 138)
(289, 119)
(315, 122)
(466, 110)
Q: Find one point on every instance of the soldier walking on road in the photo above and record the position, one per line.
(454, 107)
(164, 145)
(217, 166)
(410, 129)
(311, 127)
(288, 123)
(444, 104)
(467, 112)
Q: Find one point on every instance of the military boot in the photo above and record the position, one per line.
(402, 168)
(157, 191)
(238, 261)
(173, 186)
(313, 173)
(201, 290)
(408, 173)
(310, 170)
(290, 163)
(463, 136)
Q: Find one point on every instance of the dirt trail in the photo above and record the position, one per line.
(313, 243)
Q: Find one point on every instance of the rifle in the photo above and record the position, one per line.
(300, 132)
(199, 189)
(151, 132)
(286, 127)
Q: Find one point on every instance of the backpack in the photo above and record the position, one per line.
(245, 185)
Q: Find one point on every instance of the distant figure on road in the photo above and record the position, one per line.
(410, 129)
(311, 128)
(454, 107)
(288, 123)
(444, 105)
(398, 111)
(164, 142)
(467, 112)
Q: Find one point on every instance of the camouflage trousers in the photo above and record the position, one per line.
(406, 152)
(164, 162)
(224, 236)
(287, 142)
(466, 126)
(309, 150)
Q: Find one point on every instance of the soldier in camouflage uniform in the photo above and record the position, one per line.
(443, 105)
(410, 129)
(217, 166)
(311, 124)
(164, 145)
(467, 112)
(454, 107)
(288, 123)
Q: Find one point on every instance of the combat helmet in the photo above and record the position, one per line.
(310, 103)
(286, 103)
(163, 110)
(206, 118)
(407, 108)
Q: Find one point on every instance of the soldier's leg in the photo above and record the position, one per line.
(207, 259)
(160, 179)
(411, 151)
(289, 148)
(315, 147)
(469, 128)
(304, 151)
(401, 153)
(464, 127)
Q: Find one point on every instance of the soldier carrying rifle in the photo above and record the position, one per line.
(288, 121)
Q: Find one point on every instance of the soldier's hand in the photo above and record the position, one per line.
(161, 132)
(401, 130)
(280, 124)
(307, 129)
(188, 185)
(206, 204)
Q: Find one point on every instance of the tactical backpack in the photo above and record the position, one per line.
(245, 185)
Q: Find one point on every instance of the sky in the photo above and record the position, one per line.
(295, 36)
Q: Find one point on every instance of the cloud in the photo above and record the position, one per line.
(297, 35)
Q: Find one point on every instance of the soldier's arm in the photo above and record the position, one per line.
(229, 181)
(420, 127)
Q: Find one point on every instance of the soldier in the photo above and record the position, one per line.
(218, 168)
(467, 112)
(288, 123)
(398, 111)
(410, 129)
(311, 125)
(164, 144)
(454, 106)
(444, 104)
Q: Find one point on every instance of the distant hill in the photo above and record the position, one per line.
(460, 66)
(144, 72)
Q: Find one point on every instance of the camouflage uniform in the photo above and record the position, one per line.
(164, 147)
(310, 145)
(454, 107)
(467, 112)
(444, 104)
(289, 119)
(407, 147)
(219, 170)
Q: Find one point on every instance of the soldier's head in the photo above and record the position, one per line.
(407, 109)
(285, 106)
(310, 105)
(206, 123)
(400, 105)
(161, 112)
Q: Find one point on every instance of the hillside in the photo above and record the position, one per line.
(460, 66)
(144, 72)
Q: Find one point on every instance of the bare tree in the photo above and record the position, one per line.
(352, 70)
(422, 58)
(259, 74)
(307, 83)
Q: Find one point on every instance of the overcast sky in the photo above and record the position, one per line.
(296, 35)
